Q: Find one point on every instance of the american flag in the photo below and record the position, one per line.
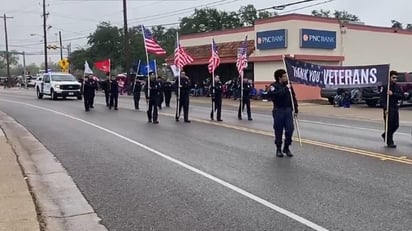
(241, 62)
(151, 44)
(181, 57)
(214, 60)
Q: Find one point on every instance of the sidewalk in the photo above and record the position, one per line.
(17, 211)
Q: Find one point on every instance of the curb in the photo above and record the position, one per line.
(60, 204)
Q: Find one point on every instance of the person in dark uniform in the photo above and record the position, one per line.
(217, 98)
(106, 88)
(137, 89)
(114, 93)
(280, 93)
(152, 94)
(161, 98)
(167, 89)
(392, 113)
(88, 90)
(184, 96)
(247, 90)
(94, 84)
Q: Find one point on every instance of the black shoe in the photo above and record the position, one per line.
(220, 120)
(383, 136)
(187, 121)
(279, 153)
(239, 118)
(91, 106)
(87, 110)
(177, 119)
(250, 119)
(149, 121)
(116, 108)
(287, 152)
(391, 146)
(156, 122)
(110, 108)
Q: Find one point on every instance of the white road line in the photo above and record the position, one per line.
(189, 167)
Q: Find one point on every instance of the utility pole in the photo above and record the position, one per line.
(24, 70)
(7, 45)
(46, 68)
(61, 45)
(126, 40)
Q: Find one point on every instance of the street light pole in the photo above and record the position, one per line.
(46, 68)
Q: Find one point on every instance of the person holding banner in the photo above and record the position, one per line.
(392, 113)
(283, 111)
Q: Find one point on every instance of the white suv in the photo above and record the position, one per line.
(58, 84)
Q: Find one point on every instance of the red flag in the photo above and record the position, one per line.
(214, 60)
(103, 65)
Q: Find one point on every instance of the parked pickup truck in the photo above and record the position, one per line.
(371, 95)
(58, 84)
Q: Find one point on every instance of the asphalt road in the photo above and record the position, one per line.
(209, 176)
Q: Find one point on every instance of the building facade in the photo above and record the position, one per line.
(313, 39)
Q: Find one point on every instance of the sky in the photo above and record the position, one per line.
(76, 19)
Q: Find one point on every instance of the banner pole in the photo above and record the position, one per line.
(387, 108)
(293, 105)
(148, 64)
(135, 78)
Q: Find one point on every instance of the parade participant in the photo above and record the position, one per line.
(137, 88)
(152, 94)
(184, 96)
(161, 98)
(392, 113)
(217, 98)
(247, 89)
(88, 90)
(114, 93)
(283, 110)
(106, 88)
(167, 89)
(93, 80)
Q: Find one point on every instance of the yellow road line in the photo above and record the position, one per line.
(400, 159)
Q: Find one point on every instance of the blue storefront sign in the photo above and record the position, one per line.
(321, 39)
(272, 39)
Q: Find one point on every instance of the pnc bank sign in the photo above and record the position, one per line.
(321, 39)
(272, 39)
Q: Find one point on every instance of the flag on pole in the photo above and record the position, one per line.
(241, 62)
(87, 69)
(103, 65)
(181, 57)
(214, 60)
(151, 44)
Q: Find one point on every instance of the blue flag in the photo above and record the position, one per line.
(145, 69)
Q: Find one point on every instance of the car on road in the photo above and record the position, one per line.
(58, 84)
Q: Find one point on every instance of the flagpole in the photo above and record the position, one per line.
(213, 85)
(177, 116)
(293, 104)
(148, 64)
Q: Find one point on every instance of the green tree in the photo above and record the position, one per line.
(248, 14)
(341, 15)
(396, 24)
(13, 59)
(106, 42)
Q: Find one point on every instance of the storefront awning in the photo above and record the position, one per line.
(227, 52)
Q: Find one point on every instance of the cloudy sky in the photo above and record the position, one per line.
(76, 19)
